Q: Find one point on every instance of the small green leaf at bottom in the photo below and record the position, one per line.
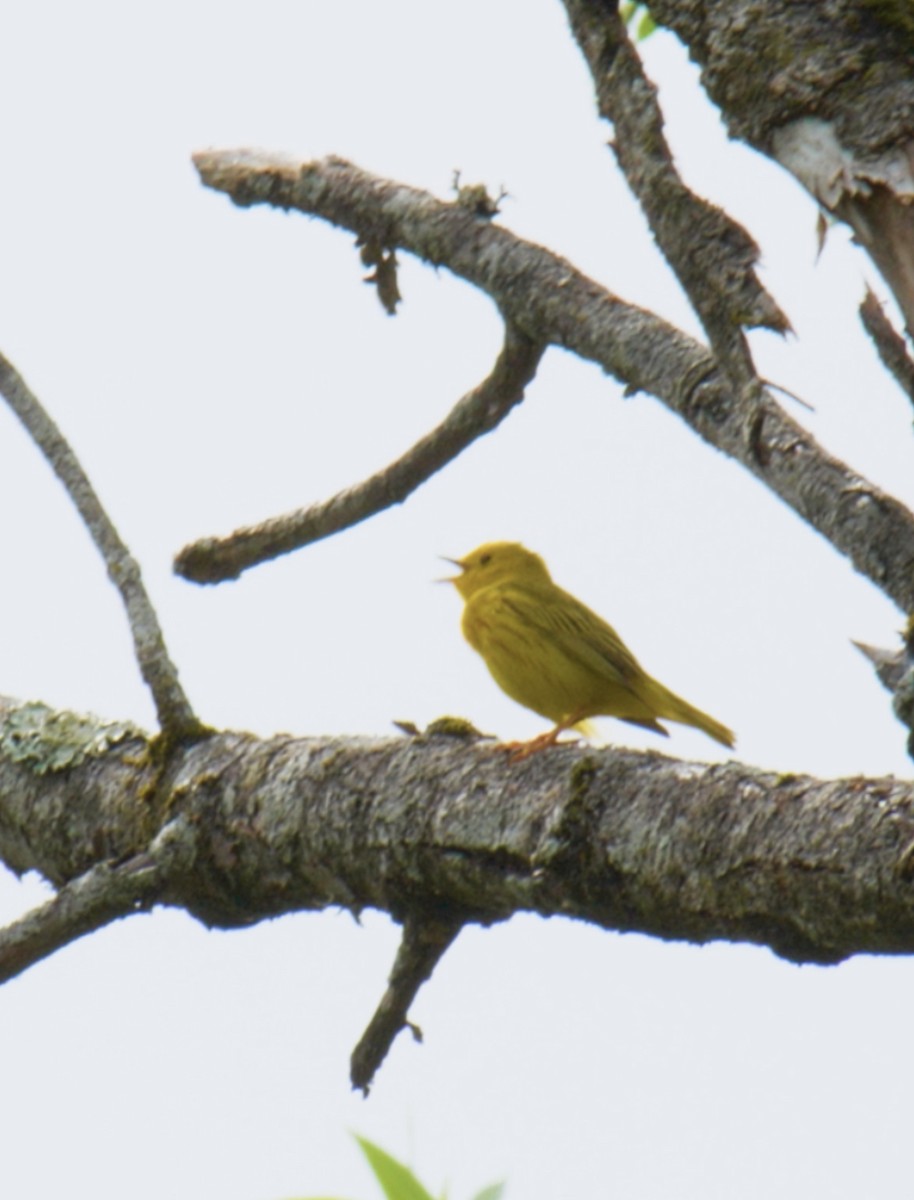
(397, 1181)
(493, 1192)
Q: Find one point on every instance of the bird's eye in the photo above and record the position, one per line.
(485, 558)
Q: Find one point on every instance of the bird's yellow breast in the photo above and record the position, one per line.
(538, 658)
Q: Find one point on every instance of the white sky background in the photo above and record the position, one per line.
(214, 366)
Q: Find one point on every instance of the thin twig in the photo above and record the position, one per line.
(95, 899)
(890, 345)
(176, 717)
(422, 946)
(212, 560)
(713, 257)
(550, 301)
(779, 387)
(890, 665)
(895, 671)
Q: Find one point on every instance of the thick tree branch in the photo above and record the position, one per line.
(827, 90)
(176, 717)
(213, 560)
(549, 301)
(436, 828)
(712, 256)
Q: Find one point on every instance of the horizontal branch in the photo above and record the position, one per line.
(550, 301)
(213, 560)
(436, 827)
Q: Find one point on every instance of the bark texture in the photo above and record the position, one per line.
(448, 830)
(826, 89)
(549, 301)
(443, 830)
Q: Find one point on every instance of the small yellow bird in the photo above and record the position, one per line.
(549, 652)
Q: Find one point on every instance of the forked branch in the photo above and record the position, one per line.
(550, 301)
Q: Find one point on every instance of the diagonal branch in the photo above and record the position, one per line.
(176, 717)
(100, 896)
(425, 941)
(890, 345)
(712, 256)
(212, 560)
(550, 301)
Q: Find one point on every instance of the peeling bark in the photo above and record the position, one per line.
(827, 90)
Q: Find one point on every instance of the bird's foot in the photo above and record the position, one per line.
(518, 751)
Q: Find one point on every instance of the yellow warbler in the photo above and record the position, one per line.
(550, 653)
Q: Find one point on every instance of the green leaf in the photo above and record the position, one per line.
(397, 1181)
(646, 26)
(637, 17)
(493, 1192)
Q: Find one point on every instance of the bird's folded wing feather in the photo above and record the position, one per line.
(577, 631)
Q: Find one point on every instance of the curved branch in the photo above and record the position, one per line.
(213, 560)
(550, 301)
(176, 717)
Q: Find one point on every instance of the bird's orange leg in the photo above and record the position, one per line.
(518, 751)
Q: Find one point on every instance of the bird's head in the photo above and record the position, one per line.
(497, 562)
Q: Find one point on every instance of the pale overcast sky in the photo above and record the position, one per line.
(214, 366)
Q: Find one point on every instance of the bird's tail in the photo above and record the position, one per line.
(671, 707)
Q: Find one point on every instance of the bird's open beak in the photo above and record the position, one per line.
(455, 562)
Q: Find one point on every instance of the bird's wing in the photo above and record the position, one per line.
(578, 631)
